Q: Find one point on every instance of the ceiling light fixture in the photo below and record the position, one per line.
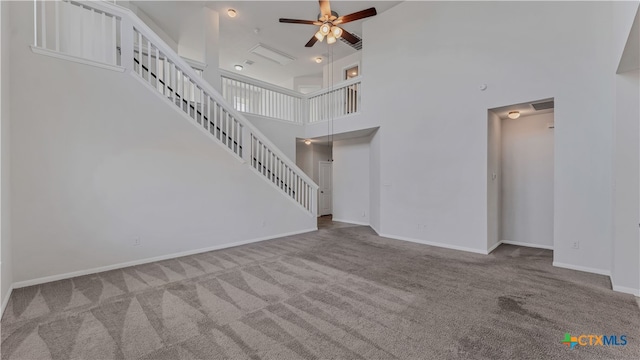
(318, 60)
(308, 142)
(336, 31)
(239, 67)
(514, 114)
(325, 29)
(232, 13)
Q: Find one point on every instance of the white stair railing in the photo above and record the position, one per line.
(256, 97)
(141, 52)
(259, 98)
(340, 100)
(77, 29)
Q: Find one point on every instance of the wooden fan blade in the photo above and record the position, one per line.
(312, 41)
(296, 21)
(325, 8)
(355, 16)
(349, 37)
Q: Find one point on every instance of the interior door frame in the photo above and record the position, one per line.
(320, 163)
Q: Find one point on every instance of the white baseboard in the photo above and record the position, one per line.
(350, 222)
(582, 268)
(431, 243)
(5, 301)
(489, 250)
(46, 279)
(626, 290)
(518, 243)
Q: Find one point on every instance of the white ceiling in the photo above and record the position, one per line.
(324, 140)
(525, 109)
(237, 34)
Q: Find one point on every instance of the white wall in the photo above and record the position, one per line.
(282, 134)
(6, 278)
(304, 158)
(625, 40)
(527, 180)
(300, 83)
(433, 118)
(211, 48)
(151, 24)
(308, 157)
(625, 272)
(102, 160)
(494, 180)
(351, 179)
(375, 185)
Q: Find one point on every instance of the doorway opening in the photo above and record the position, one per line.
(520, 175)
(325, 186)
(351, 72)
(311, 154)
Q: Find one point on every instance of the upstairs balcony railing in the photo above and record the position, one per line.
(260, 98)
(256, 97)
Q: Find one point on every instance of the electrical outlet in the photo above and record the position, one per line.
(575, 245)
(136, 241)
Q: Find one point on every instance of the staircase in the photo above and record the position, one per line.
(112, 36)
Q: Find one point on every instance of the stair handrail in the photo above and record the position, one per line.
(264, 84)
(336, 86)
(129, 19)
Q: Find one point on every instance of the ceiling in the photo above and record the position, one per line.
(525, 109)
(238, 35)
(324, 140)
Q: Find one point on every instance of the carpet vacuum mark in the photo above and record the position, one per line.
(339, 293)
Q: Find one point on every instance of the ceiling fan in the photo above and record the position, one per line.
(328, 21)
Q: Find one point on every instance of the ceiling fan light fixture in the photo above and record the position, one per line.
(336, 31)
(325, 29)
(514, 114)
(329, 25)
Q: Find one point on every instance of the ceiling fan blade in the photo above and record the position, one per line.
(325, 8)
(312, 41)
(296, 21)
(349, 37)
(355, 16)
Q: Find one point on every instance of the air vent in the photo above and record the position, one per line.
(271, 54)
(249, 62)
(357, 46)
(543, 105)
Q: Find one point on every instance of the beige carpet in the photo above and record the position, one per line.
(341, 293)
